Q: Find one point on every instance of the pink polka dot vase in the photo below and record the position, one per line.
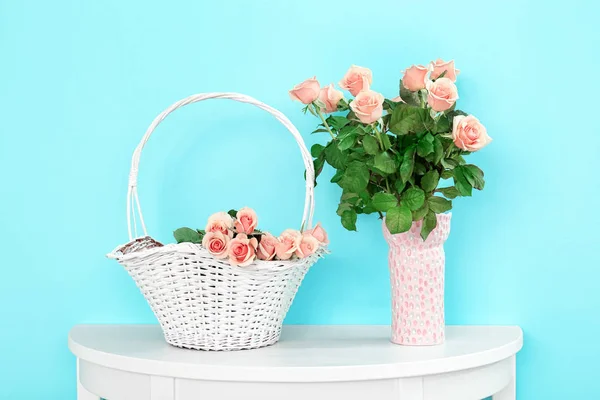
(417, 280)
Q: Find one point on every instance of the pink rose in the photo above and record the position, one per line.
(357, 79)
(330, 97)
(216, 244)
(319, 233)
(308, 245)
(246, 220)
(440, 66)
(220, 222)
(307, 91)
(242, 250)
(442, 94)
(415, 77)
(266, 247)
(469, 134)
(368, 106)
(289, 241)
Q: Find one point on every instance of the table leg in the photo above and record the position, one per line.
(411, 388)
(162, 388)
(510, 391)
(82, 393)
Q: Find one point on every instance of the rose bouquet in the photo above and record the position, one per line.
(233, 236)
(390, 155)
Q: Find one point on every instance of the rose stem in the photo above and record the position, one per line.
(318, 111)
(377, 133)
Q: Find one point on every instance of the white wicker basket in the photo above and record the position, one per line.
(202, 302)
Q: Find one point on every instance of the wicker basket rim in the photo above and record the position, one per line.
(197, 249)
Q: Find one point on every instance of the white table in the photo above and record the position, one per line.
(132, 362)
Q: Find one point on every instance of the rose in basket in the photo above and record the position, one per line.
(393, 157)
(233, 236)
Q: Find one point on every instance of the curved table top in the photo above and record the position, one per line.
(305, 353)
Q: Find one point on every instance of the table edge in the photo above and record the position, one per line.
(298, 374)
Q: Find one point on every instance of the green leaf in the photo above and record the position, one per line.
(335, 157)
(370, 144)
(399, 185)
(336, 122)
(356, 177)
(398, 219)
(232, 213)
(348, 130)
(438, 150)
(419, 168)
(447, 174)
(476, 175)
(342, 105)
(453, 113)
(439, 204)
(338, 175)
(468, 176)
(408, 163)
(409, 97)
(413, 198)
(350, 198)
(318, 164)
(384, 201)
(187, 235)
(349, 220)
(449, 192)
(424, 148)
(343, 207)
(369, 209)
(320, 130)
(430, 180)
(384, 163)
(406, 118)
(316, 150)
(421, 212)
(385, 140)
(365, 196)
(347, 142)
(449, 163)
(386, 118)
(429, 224)
(464, 188)
(443, 124)
(389, 104)
(364, 129)
(462, 184)
(358, 154)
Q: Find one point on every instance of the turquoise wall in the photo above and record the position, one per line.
(81, 80)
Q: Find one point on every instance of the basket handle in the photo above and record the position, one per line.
(132, 195)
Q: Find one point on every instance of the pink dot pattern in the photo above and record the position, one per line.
(417, 279)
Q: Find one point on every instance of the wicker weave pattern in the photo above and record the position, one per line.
(204, 303)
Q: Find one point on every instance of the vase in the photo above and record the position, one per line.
(417, 280)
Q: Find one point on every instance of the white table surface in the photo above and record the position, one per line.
(318, 357)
